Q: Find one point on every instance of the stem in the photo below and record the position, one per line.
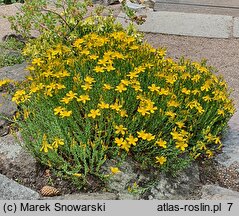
(61, 17)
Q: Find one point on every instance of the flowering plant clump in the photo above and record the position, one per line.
(104, 94)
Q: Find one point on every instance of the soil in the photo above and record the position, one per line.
(223, 54)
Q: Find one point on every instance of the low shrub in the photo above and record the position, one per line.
(104, 94)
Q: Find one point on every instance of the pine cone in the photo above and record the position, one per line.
(49, 191)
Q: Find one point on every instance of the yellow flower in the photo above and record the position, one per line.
(196, 77)
(78, 42)
(20, 96)
(206, 86)
(132, 140)
(209, 137)
(103, 105)
(37, 61)
(89, 79)
(161, 52)
(58, 110)
(59, 86)
(65, 113)
(94, 57)
(177, 136)
(164, 91)
(200, 109)
(171, 79)
(150, 137)
(142, 134)
(221, 112)
(57, 142)
(125, 145)
(125, 82)
(94, 113)
(203, 69)
(153, 88)
(115, 106)
(201, 145)
(48, 92)
(47, 73)
(209, 153)
(137, 87)
(77, 174)
(62, 74)
(5, 81)
(123, 113)
(134, 47)
(120, 88)
(179, 124)
(104, 61)
(139, 69)
(118, 55)
(99, 69)
(109, 67)
(161, 143)
(65, 100)
(143, 111)
(107, 87)
(87, 86)
(181, 145)
(186, 91)
(83, 98)
(132, 75)
(71, 95)
(114, 170)
(85, 52)
(45, 144)
(170, 114)
(217, 140)
(119, 141)
(207, 98)
(173, 103)
(120, 129)
(161, 160)
(184, 75)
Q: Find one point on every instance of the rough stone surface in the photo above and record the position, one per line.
(175, 188)
(85, 196)
(135, 6)
(7, 107)
(15, 161)
(7, 110)
(214, 192)
(230, 153)
(11, 190)
(163, 187)
(16, 72)
(120, 181)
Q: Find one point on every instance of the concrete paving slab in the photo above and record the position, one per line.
(236, 27)
(203, 25)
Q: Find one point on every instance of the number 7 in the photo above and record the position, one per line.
(230, 205)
